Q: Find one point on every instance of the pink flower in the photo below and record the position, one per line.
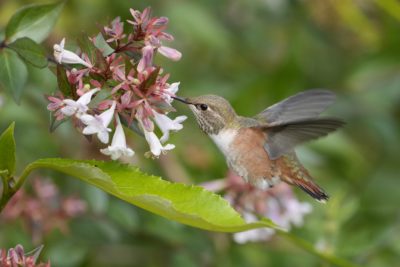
(140, 17)
(153, 31)
(55, 106)
(116, 31)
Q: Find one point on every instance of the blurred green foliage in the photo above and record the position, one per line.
(254, 53)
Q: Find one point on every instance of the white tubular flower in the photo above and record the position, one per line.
(78, 107)
(155, 145)
(170, 91)
(68, 57)
(156, 148)
(166, 124)
(98, 124)
(118, 146)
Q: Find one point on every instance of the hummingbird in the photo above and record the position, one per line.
(260, 149)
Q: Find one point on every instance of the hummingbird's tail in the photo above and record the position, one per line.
(296, 174)
(308, 186)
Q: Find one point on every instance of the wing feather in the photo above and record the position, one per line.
(304, 105)
(282, 139)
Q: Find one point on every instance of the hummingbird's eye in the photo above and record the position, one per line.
(202, 107)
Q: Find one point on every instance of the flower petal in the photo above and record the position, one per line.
(86, 97)
(166, 124)
(154, 143)
(173, 88)
(68, 110)
(103, 136)
(107, 116)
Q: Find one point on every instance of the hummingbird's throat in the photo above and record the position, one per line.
(210, 122)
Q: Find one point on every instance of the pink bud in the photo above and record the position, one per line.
(170, 53)
(160, 21)
(135, 14)
(145, 14)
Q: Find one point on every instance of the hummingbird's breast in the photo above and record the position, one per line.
(245, 155)
(224, 139)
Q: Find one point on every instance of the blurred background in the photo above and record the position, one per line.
(254, 53)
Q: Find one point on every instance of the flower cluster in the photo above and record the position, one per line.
(278, 204)
(42, 210)
(113, 81)
(15, 257)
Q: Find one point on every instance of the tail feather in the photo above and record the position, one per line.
(309, 187)
(295, 174)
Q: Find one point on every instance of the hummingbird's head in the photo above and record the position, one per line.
(212, 112)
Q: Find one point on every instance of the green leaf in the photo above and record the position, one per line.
(187, 204)
(128, 66)
(150, 80)
(63, 83)
(33, 21)
(102, 45)
(13, 73)
(7, 150)
(30, 52)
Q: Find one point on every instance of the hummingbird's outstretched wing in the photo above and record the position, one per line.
(282, 139)
(295, 120)
(304, 105)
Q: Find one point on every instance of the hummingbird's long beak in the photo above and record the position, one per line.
(181, 99)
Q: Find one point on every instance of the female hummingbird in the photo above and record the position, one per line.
(261, 149)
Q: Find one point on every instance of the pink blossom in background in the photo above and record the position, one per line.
(278, 204)
(42, 210)
(15, 257)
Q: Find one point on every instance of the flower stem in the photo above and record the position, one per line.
(5, 195)
(332, 259)
(10, 187)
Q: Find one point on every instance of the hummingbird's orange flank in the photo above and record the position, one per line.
(261, 149)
